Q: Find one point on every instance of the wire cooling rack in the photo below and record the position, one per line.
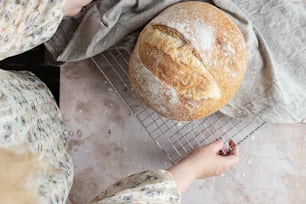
(175, 138)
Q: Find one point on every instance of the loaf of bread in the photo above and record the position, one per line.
(188, 61)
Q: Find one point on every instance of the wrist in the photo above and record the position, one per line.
(182, 175)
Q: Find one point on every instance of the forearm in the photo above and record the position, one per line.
(182, 176)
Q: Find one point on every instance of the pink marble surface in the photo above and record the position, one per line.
(107, 142)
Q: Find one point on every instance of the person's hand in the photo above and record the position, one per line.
(73, 7)
(204, 162)
(209, 161)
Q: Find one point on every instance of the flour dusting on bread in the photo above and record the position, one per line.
(188, 62)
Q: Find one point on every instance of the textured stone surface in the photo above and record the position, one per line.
(107, 142)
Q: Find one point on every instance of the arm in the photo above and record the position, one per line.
(162, 186)
(202, 163)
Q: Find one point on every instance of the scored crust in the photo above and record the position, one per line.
(188, 62)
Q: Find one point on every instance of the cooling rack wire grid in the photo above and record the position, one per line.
(175, 138)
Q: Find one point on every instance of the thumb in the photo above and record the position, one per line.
(217, 145)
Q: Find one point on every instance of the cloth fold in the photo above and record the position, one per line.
(102, 25)
(275, 34)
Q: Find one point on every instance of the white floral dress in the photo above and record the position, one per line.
(34, 164)
(25, 24)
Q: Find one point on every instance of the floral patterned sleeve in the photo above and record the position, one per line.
(156, 186)
(35, 166)
(25, 24)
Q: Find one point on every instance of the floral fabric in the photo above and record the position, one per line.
(30, 121)
(148, 187)
(25, 24)
(29, 115)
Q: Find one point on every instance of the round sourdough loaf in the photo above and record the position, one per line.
(188, 61)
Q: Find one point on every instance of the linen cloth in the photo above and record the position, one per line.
(275, 34)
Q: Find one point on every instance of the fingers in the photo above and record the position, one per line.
(234, 148)
(217, 145)
(230, 158)
(233, 156)
(226, 162)
(206, 161)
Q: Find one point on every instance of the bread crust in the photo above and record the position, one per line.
(188, 61)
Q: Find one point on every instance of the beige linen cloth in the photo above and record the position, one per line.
(275, 33)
